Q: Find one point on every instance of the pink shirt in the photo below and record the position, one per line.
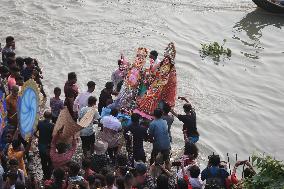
(11, 82)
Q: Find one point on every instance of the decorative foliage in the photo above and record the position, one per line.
(215, 50)
(270, 174)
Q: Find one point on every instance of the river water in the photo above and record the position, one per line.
(239, 102)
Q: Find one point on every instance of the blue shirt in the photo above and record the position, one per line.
(159, 130)
(213, 172)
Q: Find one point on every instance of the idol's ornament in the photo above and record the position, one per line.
(164, 87)
(28, 108)
(3, 112)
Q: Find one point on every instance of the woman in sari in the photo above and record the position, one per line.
(163, 89)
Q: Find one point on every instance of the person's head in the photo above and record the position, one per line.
(91, 180)
(15, 71)
(110, 179)
(11, 63)
(91, 86)
(13, 165)
(72, 77)
(114, 112)
(153, 55)
(248, 173)
(4, 71)
(128, 180)
(74, 168)
(16, 144)
(109, 86)
(20, 62)
(163, 182)
(214, 160)
(20, 185)
(140, 172)
(182, 184)
(191, 150)
(158, 113)
(61, 147)
(29, 62)
(86, 164)
(166, 109)
(187, 108)
(47, 115)
(194, 171)
(11, 56)
(15, 91)
(20, 80)
(9, 137)
(119, 183)
(57, 91)
(92, 101)
(58, 174)
(10, 41)
(135, 118)
(12, 177)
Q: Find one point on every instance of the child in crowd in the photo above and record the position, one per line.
(56, 104)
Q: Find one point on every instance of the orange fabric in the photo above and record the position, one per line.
(170, 89)
(11, 102)
(19, 155)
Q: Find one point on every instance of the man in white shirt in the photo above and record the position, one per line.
(82, 99)
(110, 134)
(88, 133)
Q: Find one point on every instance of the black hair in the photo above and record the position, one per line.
(28, 61)
(71, 75)
(86, 163)
(114, 112)
(10, 54)
(167, 108)
(13, 162)
(158, 113)
(19, 78)
(121, 160)
(187, 107)
(91, 84)
(248, 173)
(194, 171)
(154, 53)
(56, 90)
(20, 61)
(16, 144)
(109, 85)
(20, 185)
(58, 175)
(9, 39)
(10, 62)
(74, 168)
(119, 86)
(61, 147)
(110, 179)
(47, 115)
(163, 182)
(119, 62)
(135, 118)
(191, 150)
(91, 179)
(214, 160)
(92, 101)
(120, 183)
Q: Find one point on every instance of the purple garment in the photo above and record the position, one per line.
(56, 105)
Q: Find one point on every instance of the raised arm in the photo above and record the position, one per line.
(183, 98)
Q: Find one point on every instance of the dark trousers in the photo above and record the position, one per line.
(165, 154)
(112, 152)
(139, 155)
(46, 165)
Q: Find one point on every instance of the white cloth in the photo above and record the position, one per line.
(111, 122)
(81, 101)
(88, 131)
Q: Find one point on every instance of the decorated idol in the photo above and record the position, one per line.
(127, 96)
(163, 88)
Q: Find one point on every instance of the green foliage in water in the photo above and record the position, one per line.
(215, 50)
(270, 174)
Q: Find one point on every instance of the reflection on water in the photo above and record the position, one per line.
(253, 24)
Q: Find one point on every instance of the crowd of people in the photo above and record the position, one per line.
(113, 154)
